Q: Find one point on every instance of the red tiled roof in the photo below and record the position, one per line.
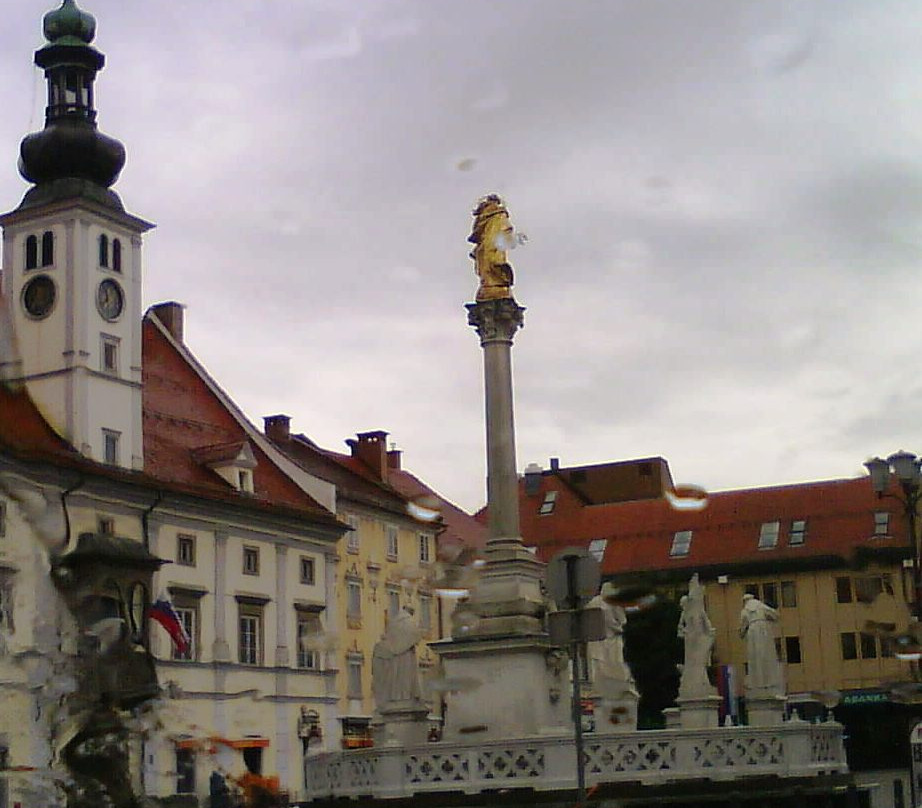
(183, 416)
(356, 480)
(838, 513)
(461, 529)
(24, 431)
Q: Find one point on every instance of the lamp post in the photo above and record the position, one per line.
(908, 470)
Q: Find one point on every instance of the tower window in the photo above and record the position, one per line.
(31, 252)
(103, 250)
(47, 248)
(116, 255)
(109, 354)
(110, 440)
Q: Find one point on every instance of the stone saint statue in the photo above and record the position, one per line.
(696, 630)
(756, 628)
(611, 677)
(394, 670)
(492, 235)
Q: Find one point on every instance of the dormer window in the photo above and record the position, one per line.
(233, 462)
(681, 544)
(47, 248)
(768, 535)
(31, 252)
(547, 507)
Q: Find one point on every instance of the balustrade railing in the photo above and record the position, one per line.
(793, 749)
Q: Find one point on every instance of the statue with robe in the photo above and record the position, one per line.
(492, 235)
(696, 630)
(757, 627)
(394, 669)
(611, 677)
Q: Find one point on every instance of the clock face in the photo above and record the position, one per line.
(38, 297)
(109, 300)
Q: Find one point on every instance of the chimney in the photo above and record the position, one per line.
(393, 458)
(170, 315)
(371, 449)
(555, 463)
(533, 474)
(277, 428)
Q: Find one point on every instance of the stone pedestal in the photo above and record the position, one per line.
(701, 712)
(616, 715)
(401, 725)
(512, 687)
(765, 709)
(672, 717)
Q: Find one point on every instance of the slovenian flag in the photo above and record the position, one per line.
(163, 612)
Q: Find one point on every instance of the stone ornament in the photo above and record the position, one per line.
(492, 235)
(394, 670)
(496, 320)
(757, 629)
(610, 674)
(696, 630)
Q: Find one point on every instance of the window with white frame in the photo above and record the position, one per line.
(798, 534)
(550, 500)
(185, 549)
(353, 678)
(185, 770)
(110, 446)
(309, 632)
(392, 545)
(353, 600)
(425, 612)
(681, 543)
(597, 549)
(188, 616)
(105, 525)
(768, 535)
(352, 537)
(108, 353)
(393, 601)
(881, 523)
(307, 570)
(6, 600)
(250, 639)
(424, 549)
(251, 561)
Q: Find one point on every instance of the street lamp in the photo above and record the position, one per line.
(908, 470)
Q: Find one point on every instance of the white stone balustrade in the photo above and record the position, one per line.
(792, 749)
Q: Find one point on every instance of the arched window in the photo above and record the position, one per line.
(116, 255)
(47, 248)
(103, 250)
(31, 252)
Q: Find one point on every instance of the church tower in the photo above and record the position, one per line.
(72, 260)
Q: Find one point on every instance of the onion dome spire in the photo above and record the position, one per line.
(70, 157)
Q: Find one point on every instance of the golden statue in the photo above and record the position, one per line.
(493, 235)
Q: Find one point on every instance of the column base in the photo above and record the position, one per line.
(700, 712)
(401, 725)
(765, 710)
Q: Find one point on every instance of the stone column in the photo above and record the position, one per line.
(221, 649)
(508, 598)
(281, 605)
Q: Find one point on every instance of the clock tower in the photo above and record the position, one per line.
(72, 260)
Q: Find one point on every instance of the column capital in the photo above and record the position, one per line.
(496, 320)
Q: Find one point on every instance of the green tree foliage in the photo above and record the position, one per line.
(652, 649)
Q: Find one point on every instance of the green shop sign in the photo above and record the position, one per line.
(853, 697)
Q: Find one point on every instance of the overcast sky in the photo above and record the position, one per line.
(723, 202)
